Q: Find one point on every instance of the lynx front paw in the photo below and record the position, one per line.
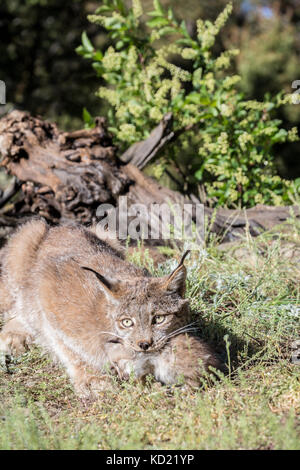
(90, 386)
(14, 343)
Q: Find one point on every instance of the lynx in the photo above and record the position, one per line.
(78, 298)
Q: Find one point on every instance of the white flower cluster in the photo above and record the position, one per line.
(110, 95)
(207, 31)
(293, 134)
(112, 60)
(223, 143)
(229, 82)
(223, 17)
(137, 8)
(223, 61)
(244, 139)
(189, 53)
(127, 132)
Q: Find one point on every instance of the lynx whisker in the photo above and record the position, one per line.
(163, 340)
(187, 330)
(184, 329)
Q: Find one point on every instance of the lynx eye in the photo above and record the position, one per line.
(159, 319)
(127, 323)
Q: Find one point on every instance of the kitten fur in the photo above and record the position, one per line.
(77, 297)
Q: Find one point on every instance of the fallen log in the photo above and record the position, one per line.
(67, 175)
(63, 175)
(140, 153)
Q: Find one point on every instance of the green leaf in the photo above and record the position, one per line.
(102, 9)
(167, 30)
(159, 21)
(158, 7)
(154, 13)
(121, 7)
(185, 42)
(88, 119)
(198, 98)
(86, 115)
(119, 44)
(279, 136)
(199, 174)
(86, 42)
(98, 56)
(98, 67)
(80, 50)
(270, 106)
(184, 29)
(113, 130)
(113, 23)
(171, 15)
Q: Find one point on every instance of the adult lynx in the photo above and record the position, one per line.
(77, 297)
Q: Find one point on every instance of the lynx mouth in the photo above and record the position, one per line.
(115, 341)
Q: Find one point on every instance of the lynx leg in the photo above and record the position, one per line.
(87, 385)
(5, 299)
(87, 381)
(14, 339)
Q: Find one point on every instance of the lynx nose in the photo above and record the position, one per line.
(144, 345)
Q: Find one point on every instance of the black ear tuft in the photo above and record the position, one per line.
(183, 257)
(108, 284)
(175, 283)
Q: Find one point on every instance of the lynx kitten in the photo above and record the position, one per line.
(77, 297)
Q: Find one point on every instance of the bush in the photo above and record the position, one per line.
(225, 143)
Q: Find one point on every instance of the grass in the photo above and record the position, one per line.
(246, 300)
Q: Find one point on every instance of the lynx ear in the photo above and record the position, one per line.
(175, 283)
(109, 287)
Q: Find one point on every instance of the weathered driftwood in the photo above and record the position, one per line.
(227, 223)
(140, 153)
(63, 175)
(66, 176)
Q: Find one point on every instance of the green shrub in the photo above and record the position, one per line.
(224, 144)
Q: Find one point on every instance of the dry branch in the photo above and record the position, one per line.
(64, 175)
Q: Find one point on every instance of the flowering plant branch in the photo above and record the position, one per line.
(224, 142)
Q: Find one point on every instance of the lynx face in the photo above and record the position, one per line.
(146, 312)
(147, 324)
